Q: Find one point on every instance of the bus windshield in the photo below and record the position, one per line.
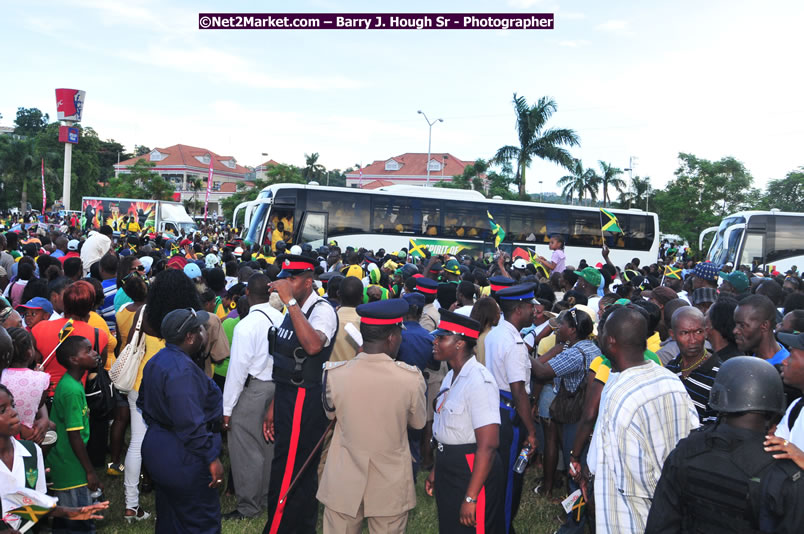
(257, 218)
(725, 244)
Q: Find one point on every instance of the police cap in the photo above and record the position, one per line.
(427, 286)
(414, 299)
(452, 323)
(327, 277)
(500, 282)
(518, 292)
(383, 312)
(293, 264)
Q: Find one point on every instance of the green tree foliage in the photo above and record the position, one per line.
(312, 170)
(476, 176)
(580, 182)
(30, 121)
(140, 182)
(535, 141)
(610, 177)
(108, 152)
(141, 150)
(701, 194)
(276, 174)
(786, 193)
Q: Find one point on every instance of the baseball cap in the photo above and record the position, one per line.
(38, 303)
(737, 279)
(192, 270)
(72, 244)
(520, 263)
(706, 271)
(452, 267)
(147, 262)
(591, 275)
(793, 340)
(183, 320)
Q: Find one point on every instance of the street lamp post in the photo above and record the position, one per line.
(429, 140)
(541, 191)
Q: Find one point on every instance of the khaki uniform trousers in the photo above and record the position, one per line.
(337, 523)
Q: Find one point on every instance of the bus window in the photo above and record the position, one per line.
(392, 215)
(786, 240)
(349, 213)
(463, 221)
(280, 226)
(585, 229)
(427, 217)
(753, 250)
(527, 224)
(315, 225)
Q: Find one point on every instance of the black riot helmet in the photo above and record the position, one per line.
(747, 384)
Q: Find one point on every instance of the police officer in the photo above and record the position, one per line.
(507, 359)
(467, 476)
(720, 478)
(429, 321)
(295, 419)
(368, 474)
(184, 412)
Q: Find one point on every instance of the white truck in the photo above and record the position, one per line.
(161, 215)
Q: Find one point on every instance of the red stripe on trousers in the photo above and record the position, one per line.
(294, 444)
(480, 509)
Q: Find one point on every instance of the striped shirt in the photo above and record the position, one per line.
(699, 384)
(644, 412)
(107, 308)
(571, 364)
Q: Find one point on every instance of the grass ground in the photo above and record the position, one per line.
(536, 514)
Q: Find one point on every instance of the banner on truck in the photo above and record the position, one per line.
(101, 211)
(443, 246)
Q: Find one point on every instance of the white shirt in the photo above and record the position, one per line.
(530, 337)
(250, 354)
(643, 414)
(464, 310)
(324, 319)
(93, 250)
(11, 481)
(471, 402)
(796, 434)
(507, 356)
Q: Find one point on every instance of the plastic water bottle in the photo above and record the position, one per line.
(522, 460)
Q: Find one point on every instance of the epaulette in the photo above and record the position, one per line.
(408, 367)
(328, 366)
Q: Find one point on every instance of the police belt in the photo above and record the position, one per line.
(450, 450)
(506, 400)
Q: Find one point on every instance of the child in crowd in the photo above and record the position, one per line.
(72, 474)
(29, 387)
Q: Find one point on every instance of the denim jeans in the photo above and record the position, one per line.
(75, 497)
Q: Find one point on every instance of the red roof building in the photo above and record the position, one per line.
(182, 164)
(408, 169)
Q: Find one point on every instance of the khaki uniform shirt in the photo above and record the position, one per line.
(345, 347)
(375, 399)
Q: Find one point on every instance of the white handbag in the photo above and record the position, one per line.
(124, 370)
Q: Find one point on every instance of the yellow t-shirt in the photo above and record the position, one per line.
(134, 226)
(96, 321)
(654, 342)
(152, 346)
(546, 344)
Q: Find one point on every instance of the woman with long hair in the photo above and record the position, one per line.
(487, 313)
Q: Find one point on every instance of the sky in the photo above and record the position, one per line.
(633, 79)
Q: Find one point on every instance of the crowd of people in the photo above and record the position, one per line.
(649, 398)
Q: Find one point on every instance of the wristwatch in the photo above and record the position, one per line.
(291, 302)
(469, 499)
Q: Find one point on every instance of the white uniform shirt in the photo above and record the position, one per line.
(250, 354)
(507, 356)
(794, 435)
(95, 247)
(11, 481)
(324, 319)
(471, 402)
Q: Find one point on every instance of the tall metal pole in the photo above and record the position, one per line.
(68, 163)
(429, 140)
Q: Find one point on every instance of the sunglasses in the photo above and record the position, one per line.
(190, 317)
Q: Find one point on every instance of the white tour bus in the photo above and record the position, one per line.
(760, 239)
(446, 221)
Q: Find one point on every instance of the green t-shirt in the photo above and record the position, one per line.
(70, 413)
(228, 329)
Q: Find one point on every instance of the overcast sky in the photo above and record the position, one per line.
(644, 79)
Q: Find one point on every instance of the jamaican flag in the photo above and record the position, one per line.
(611, 224)
(27, 504)
(496, 230)
(670, 272)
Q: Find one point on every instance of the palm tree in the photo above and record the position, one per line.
(313, 169)
(609, 177)
(534, 140)
(195, 187)
(579, 182)
(638, 191)
(17, 166)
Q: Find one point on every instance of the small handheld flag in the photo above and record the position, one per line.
(496, 230)
(64, 333)
(27, 504)
(611, 225)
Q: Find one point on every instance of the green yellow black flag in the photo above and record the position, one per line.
(611, 224)
(496, 230)
(669, 272)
